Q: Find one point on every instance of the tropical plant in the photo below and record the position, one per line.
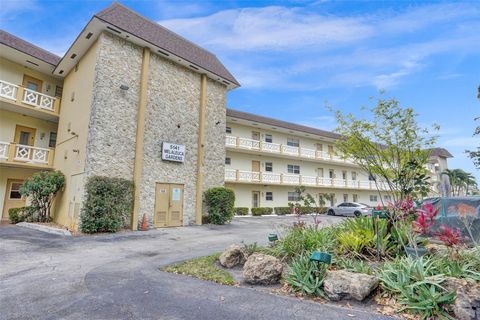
(307, 204)
(306, 277)
(465, 264)
(417, 286)
(449, 236)
(390, 145)
(461, 182)
(220, 202)
(41, 188)
(425, 219)
(353, 265)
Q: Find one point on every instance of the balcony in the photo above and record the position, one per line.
(242, 176)
(25, 156)
(29, 99)
(244, 144)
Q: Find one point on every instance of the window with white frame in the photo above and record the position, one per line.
(269, 166)
(269, 196)
(354, 175)
(292, 142)
(344, 175)
(228, 161)
(293, 196)
(373, 198)
(228, 130)
(293, 168)
(268, 138)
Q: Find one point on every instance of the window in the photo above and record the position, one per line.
(319, 147)
(269, 196)
(268, 166)
(15, 191)
(355, 197)
(268, 138)
(354, 175)
(345, 197)
(228, 130)
(344, 175)
(292, 142)
(228, 161)
(373, 198)
(293, 196)
(331, 173)
(293, 168)
(53, 140)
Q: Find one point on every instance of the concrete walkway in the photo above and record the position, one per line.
(44, 276)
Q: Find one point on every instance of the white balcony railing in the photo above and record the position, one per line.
(276, 148)
(297, 180)
(4, 150)
(8, 90)
(38, 100)
(31, 154)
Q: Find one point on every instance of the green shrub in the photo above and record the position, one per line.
(464, 264)
(282, 210)
(305, 277)
(240, 211)
(298, 241)
(417, 285)
(220, 202)
(41, 188)
(108, 204)
(21, 214)
(317, 210)
(261, 211)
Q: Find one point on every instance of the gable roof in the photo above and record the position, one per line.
(145, 29)
(440, 152)
(28, 48)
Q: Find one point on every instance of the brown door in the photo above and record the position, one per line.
(32, 83)
(168, 205)
(255, 199)
(255, 135)
(13, 199)
(25, 135)
(255, 166)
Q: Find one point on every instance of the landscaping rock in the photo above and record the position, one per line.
(467, 303)
(342, 284)
(233, 256)
(262, 269)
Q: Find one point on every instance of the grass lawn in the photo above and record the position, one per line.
(204, 268)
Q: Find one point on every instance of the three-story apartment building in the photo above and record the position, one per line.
(267, 159)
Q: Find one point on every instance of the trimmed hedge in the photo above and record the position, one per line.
(282, 210)
(240, 211)
(220, 202)
(21, 214)
(261, 211)
(303, 210)
(108, 204)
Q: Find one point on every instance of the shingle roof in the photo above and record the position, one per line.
(281, 124)
(28, 48)
(435, 152)
(133, 23)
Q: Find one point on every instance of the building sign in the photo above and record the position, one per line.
(176, 194)
(173, 152)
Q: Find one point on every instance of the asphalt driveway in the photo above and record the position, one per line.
(44, 276)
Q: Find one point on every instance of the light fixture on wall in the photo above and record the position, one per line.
(124, 87)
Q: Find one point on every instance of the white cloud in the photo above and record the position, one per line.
(11, 7)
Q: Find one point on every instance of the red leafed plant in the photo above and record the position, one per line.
(451, 237)
(425, 219)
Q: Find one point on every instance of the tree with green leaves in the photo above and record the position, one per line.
(475, 154)
(460, 181)
(41, 189)
(390, 145)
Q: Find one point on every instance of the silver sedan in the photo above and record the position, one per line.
(354, 209)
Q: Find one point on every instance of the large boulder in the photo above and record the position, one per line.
(342, 284)
(467, 303)
(233, 255)
(262, 269)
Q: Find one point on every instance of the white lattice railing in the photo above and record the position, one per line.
(248, 144)
(31, 154)
(271, 147)
(38, 100)
(307, 153)
(4, 150)
(231, 141)
(8, 90)
(290, 150)
(297, 180)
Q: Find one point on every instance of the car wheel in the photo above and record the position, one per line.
(357, 214)
(331, 212)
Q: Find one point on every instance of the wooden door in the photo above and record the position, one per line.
(175, 212)
(25, 135)
(256, 135)
(255, 166)
(255, 199)
(168, 205)
(32, 83)
(13, 198)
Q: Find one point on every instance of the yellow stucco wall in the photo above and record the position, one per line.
(9, 120)
(72, 136)
(13, 72)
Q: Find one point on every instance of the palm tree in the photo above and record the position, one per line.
(460, 181)
(469, 182)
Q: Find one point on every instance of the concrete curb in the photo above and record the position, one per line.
(46, 229)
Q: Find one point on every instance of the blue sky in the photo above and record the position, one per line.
(293, 57)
